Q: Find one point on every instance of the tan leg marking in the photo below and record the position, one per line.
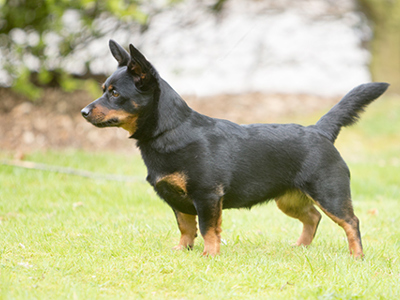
(212, 239)
(188, 227)
(352, 232)
(297, 205)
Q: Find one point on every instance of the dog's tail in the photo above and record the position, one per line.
(346, 112)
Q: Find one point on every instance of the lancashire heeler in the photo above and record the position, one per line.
(201, 165)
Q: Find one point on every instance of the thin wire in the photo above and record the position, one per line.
(70, 171)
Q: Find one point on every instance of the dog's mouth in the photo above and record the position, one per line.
(114, 122)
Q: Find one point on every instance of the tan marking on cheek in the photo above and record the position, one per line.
(126, 120)
(130, 124)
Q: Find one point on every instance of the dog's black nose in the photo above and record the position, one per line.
(85, 112)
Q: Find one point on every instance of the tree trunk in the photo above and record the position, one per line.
(385, 45)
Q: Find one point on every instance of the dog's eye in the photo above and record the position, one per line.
(114, 93)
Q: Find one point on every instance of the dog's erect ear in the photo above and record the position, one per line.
(139, 67)
(120, 54)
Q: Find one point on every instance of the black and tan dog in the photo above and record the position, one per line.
(200, 165)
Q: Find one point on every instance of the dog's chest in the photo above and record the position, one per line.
(172, 188)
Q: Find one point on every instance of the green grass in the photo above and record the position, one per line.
(68, 237)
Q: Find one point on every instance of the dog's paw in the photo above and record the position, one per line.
(182, 247)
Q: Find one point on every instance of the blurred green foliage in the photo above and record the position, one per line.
(25, 33)
(29, 27)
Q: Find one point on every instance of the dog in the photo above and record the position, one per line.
(200, 165)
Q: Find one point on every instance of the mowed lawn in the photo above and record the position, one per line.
(69, 237)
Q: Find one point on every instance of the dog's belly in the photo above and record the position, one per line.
(247, 200)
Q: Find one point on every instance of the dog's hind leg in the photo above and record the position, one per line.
(351, 225)
(297, 205)
(188, 227)
(333, 196)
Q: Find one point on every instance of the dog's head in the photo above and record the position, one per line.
(126, 93)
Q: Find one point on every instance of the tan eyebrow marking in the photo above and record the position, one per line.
(110, 87)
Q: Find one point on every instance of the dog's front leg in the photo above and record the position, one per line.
(187, 227)
(209, 211)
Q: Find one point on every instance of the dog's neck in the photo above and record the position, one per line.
(166, 112)
(172, 109)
